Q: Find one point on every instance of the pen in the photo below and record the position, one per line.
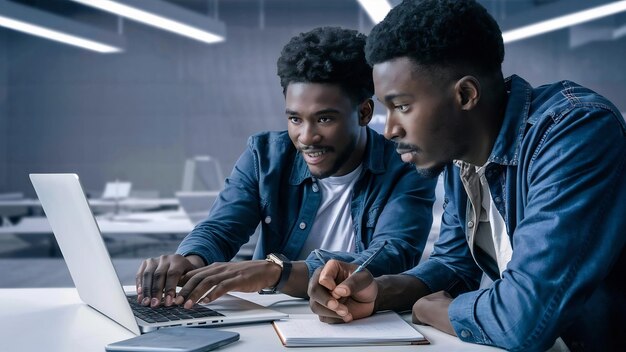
(369, 260)
(206, 294)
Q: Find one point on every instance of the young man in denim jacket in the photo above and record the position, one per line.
(327, 182)
(535, 198)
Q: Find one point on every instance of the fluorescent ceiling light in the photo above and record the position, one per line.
(165, 16)
(376, 9)
(42, 24)
(57, 36)
(563, 21)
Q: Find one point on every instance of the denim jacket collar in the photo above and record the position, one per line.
(373, 160)
(507, 146)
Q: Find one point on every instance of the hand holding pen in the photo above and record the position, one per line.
(342, 292)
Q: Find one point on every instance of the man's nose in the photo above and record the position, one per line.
(309, 135)
(393, 129)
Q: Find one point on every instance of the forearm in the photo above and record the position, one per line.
(298, 280)
(399, 292)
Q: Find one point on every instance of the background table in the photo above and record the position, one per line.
(130, 203)
(131, 232)
(161, 222)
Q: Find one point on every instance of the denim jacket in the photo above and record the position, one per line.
(558, 178)
(271, 184)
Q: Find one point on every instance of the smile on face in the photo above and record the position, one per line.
(422, 114)
(326, 127)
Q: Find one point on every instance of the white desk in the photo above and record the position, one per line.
(56, 320)
(162, 222)
(151, 226)
(128, 203)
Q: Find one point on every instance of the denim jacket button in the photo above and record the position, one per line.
(497, 199)
(315, 187)
(268, 219)
(465, 333)
(470, 224)
(302, 225)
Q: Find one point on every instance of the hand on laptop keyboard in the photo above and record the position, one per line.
(221, 278)
(157, 278)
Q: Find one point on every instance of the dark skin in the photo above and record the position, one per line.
(329, 130)
(436, 115)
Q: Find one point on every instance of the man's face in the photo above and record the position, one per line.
(324, 126)
(422, 115)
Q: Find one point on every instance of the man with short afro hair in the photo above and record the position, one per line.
(328, 187)
(535, 192)
(328, 55)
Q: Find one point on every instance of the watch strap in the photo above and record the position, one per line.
(284, 274)
(285, 265)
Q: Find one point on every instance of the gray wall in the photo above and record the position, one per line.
(3, 113)
(599, 65)
(139, 114)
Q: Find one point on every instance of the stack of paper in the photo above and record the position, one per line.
(386, 328)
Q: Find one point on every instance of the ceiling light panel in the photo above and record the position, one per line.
(43, 24)
(165, 16)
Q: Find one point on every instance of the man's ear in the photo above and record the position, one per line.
(366, 110)
(467, 90)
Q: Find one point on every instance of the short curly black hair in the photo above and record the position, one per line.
(439, 33)
(328, 55)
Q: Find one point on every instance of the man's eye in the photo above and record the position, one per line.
(294, 119)
(325, 119)
(402, 108)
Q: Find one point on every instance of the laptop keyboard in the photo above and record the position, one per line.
(163, 314)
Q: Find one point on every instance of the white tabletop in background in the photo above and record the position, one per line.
(127, 202)
(161, 222)
(54, 319)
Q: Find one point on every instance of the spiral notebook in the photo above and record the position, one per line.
(386, 328)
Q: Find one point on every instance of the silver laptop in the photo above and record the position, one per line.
(92, 271)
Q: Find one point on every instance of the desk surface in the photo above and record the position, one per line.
(127, 202)
(55, 319)
(162, 222)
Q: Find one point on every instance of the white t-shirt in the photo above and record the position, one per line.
(491, 234)
(332, 229)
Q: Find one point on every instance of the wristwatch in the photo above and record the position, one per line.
(285, 265)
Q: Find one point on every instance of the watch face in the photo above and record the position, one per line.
(278, 258)
(279, 261)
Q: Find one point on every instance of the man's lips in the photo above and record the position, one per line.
(404, 150)
(409, 157)
(407, 154)
(314, 156)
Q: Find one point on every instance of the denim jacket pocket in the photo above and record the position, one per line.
(370, 220)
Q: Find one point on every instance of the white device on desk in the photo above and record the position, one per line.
(116, 190)
(92, 271)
